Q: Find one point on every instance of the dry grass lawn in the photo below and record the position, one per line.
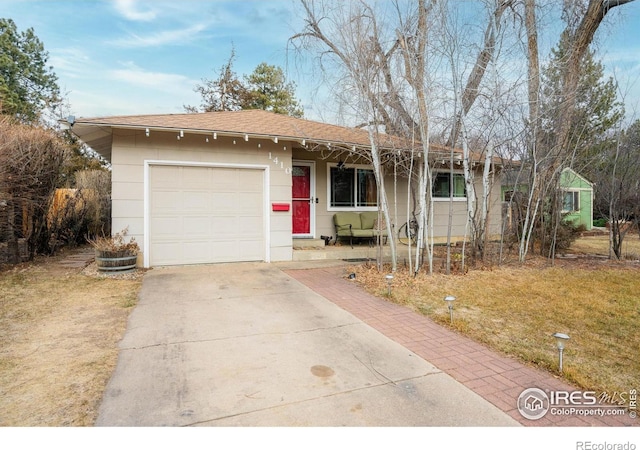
(59, 328)
(516, 309)
(59, 331)
(600, 245)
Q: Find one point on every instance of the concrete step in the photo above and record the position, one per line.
(308, 243)
(343, 252)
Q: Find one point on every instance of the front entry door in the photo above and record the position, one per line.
(303, 199)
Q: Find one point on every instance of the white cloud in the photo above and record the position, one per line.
(131, 11)
(179, 36)
(167, 82)
(70, 62)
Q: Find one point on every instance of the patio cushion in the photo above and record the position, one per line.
(363, 233)
(368, 218)
(342, 220)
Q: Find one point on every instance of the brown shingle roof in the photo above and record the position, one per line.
(96, 131)
(252, 122)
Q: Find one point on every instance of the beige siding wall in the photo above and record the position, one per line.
(131, 148)
(324, 217)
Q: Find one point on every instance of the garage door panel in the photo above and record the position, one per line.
(250, 248)
(249, 201)
(197, 200)
(224, 251)
(166, 200)
(225, 201)
(224, 178)
(196, 251)
(247, 226)
(205, 214)
(196, 226)
(225, 225)
(166, 175)
(168, 252)
(166, 226)
(195, 177)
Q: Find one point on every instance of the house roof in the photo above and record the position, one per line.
(576, 176)
(96, 132)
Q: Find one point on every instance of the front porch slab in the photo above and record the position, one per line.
(360, 252)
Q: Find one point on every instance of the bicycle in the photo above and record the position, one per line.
(409, 232)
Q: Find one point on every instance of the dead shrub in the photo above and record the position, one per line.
(30, 163)
(82, 212)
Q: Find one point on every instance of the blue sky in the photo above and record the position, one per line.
(141, 57)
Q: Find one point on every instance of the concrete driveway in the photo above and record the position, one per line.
(247, 345)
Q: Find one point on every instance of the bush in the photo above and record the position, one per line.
(30, 163)
(567, 234)
(115, 246)
(601, 223)
(82, 212)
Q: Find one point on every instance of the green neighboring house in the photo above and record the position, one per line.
(577, 198)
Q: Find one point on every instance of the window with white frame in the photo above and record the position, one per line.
(571, 201)
(352, 187)
(447, 184)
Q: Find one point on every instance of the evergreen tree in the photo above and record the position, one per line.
(595, 115)
(27, 84)
(268, 89)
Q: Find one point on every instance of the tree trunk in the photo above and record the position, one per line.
(470, 93)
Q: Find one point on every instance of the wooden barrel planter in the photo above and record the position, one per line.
(115, 262)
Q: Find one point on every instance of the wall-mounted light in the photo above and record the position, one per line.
(561, 340)
(215, 135)
(234, 142)
(275, 139)
(259, 145)
(146, 132)
(450, 299)
(181, 133)
(246, 138)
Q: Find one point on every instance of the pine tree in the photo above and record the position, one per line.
(27, 84)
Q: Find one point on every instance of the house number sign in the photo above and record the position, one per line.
(277, 162)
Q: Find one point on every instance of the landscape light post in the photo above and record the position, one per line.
(389, 279)
(561, 339)
(450, 299)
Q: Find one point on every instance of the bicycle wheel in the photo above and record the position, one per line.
(403, 235)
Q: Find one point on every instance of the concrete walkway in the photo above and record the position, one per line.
(497, 378)
(248, 345)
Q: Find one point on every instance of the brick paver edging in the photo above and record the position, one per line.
(497, 378)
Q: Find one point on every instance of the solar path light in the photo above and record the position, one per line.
(389, 279)
(450, 299)
(561, 340)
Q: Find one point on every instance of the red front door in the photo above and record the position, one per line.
(301, 197)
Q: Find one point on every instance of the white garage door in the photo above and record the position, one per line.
(205, 215)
